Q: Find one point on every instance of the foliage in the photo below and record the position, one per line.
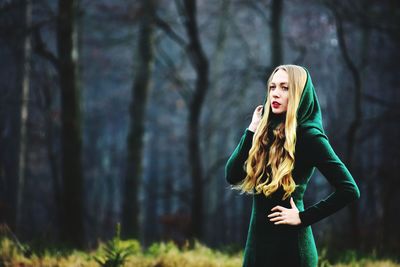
(117, 251)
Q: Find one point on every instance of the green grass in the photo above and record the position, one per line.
(128, 253)
(352, 258)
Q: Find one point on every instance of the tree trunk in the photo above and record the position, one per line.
(215, 215)
(130, 209)
(71, 140)
(152, 228)
(47, 92)
(26, 66)
(355, 124)
(276, 33)
(200, 64)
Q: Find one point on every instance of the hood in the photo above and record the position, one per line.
(309, 114)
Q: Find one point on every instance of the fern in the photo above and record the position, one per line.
(115, 251)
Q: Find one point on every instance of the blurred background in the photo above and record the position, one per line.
(127, 111)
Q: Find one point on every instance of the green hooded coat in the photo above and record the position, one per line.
(283, 244)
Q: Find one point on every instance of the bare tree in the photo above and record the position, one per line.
(340, 12)
(25, 80)
(200, 63)
(140, 88)
(71, 140)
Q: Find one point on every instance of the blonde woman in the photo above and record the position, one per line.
(274, 161)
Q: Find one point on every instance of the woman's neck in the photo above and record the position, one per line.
(277, 118)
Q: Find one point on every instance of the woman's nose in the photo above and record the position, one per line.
(275, 94)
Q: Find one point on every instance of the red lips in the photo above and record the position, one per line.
(275, 104)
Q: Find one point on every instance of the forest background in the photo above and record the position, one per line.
(127, 111)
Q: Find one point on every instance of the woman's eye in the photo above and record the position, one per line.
(285, 88)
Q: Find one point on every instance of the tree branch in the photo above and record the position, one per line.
(185, 90)
(41, 49)
(163, 25)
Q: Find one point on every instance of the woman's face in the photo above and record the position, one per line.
(279, 91)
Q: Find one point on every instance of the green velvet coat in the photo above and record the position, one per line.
(288, 245)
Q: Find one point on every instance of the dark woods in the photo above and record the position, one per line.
(127, 112)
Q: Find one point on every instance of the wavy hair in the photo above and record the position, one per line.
(278, 169)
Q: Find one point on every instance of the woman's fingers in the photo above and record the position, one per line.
(281, 222)
(292, 204)
(284, 216)
(276, 219)
(279, 216)
(259, 109)
(278, 208)
(274, 214)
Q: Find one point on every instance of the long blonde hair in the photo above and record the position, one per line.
(281, 159)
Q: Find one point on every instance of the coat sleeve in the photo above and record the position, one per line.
(234, 169)
(322, 156)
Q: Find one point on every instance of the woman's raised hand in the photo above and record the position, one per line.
(256, 118)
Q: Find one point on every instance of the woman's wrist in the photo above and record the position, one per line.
(252, 127)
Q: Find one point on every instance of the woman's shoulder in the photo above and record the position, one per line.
(313, 146)
(310, 135)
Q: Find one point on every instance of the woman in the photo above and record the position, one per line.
(275, 160)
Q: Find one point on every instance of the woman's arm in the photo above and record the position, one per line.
(322, 156)
(234, 169)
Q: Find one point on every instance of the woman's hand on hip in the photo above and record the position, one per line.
(256, 118)
(283, 215)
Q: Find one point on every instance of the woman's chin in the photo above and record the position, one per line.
(277, 111)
